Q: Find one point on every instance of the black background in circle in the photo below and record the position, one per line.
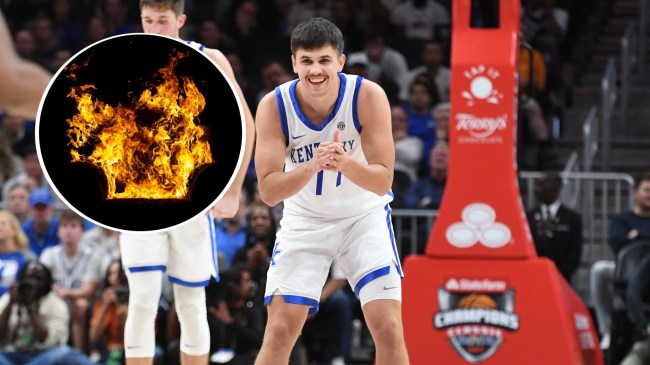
(118, 68)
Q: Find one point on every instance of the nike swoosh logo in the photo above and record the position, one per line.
(392, 287)
(296, 137)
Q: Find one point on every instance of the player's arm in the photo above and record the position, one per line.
(22, 83)
(274, 184)
(377, 143)
(229, 203)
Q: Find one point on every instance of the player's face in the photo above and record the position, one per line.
(318, 68)
(161, 21)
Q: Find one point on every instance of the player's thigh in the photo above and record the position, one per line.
(144, 250)
(191, 253)
(369, 250)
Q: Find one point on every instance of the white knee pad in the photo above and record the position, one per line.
(384, 287)
(139, 331)
(192, 315)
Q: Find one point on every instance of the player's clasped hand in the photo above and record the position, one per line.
(332, 156)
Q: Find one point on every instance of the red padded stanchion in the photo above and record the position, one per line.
(480, 294)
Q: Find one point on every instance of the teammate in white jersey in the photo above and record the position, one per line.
(186, 253)
(325, 148)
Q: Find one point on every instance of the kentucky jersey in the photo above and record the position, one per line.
(328, 194)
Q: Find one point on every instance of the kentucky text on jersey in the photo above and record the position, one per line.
(305, 153)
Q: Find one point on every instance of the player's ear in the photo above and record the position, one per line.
(293, 63)
(181, 20)
(342, 59)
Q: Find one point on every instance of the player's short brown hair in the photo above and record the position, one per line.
(315, 33)
(177, 6)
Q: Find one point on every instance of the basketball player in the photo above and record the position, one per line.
(186, 253)
(22, 83)
(325, 148)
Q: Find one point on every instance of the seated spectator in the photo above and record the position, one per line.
(76, 272)
(441, 114)
(385, 62)
(638, 292)
(41, 227)
(17, 202)
(231, 233)
(14, 250)
(343, 17)
(419, 111)
(408, 150)
(624, 229)
(273, 74)
(24, 44)
(106, 334)
(10, 164)
(556, 229)
(32, 176)
(104, 243)
(427, 192)
(357, 63)
(263, 225)
(236, 322)
(432, 66)
(21, 136)
(331, 325)
(34, 322)
(418, 19)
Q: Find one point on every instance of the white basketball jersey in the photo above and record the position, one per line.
(328, 194)
(195, 45)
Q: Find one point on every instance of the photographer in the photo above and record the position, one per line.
(235, 322)
(34, 322)
(109, 316)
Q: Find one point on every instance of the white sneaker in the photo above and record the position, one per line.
(338, 361)
(604, 341)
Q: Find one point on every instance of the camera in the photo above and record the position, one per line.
(122, 294)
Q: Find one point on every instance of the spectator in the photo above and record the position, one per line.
(625, 228)
(10, 164)
(17, 203)
(441, 114)
(14, 251)
(34, 322)
(273, 74)
(41, 227)
(33, 174)
(556, 229)
(21, 137)
(61, 56)
(46, 40)
(104, 243)
(638, 292)
(432, 66)
(304, 10)
(106, 334)
(427, 192)
(343, 17)
(357, 63)
(211, 36)
(539, 68)
(96, 30)
(418, 19)
(236, 322)
(263, 225)
(408, 154)
(231, 232)
(24, 44)
(419, 111)
(76, 272)
(386, 63)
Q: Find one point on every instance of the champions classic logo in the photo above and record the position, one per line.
(480, 129)
(476, 314)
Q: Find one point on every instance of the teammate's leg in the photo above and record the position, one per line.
(192, 316)
(139, 331)
(283, 327)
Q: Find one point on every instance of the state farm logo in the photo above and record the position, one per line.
(480, 127)
(483, 285)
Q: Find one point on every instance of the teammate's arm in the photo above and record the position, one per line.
(229, 203)
(377, 143)
(22, 83)
(275, 185)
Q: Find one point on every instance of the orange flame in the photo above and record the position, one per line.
(142, 161)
